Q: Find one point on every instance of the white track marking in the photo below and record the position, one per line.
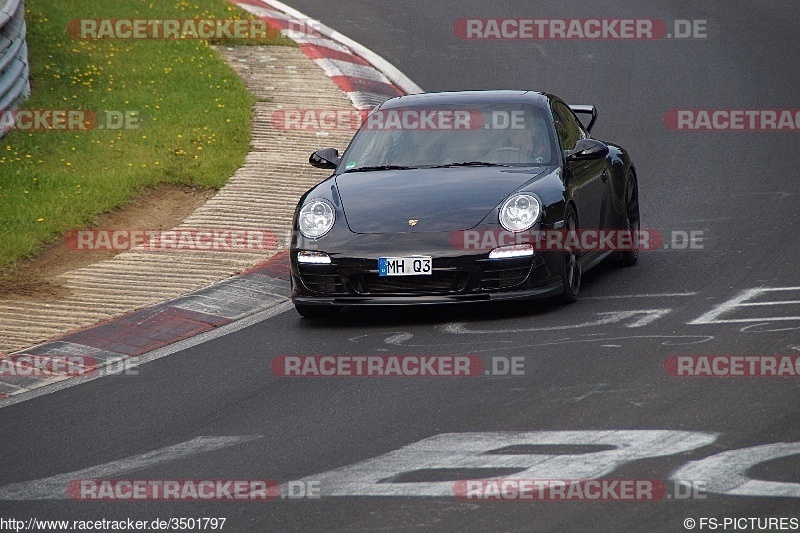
(55, 487)
(625, 296)
(754, 328)
(170, 349)
(337, 67)
(726, 472)
(714, 316)
(698, 339)
(389, 70)
(398, 339)
(643, 318)
(600, 388)
(401, 338)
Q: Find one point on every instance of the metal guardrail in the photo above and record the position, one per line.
(14, 70)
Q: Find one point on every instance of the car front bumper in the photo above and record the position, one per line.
(455, 279)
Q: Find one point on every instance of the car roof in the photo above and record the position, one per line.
(468, 97)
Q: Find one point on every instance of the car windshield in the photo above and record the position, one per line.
(451, 136)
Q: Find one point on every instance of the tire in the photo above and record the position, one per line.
(316, 311)
(571, 261)
(632, 224)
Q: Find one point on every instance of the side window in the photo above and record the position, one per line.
(568, 128)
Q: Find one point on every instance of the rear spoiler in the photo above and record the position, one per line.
(586, 110)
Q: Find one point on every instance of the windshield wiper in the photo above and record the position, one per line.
(472, 164)
(378, 167)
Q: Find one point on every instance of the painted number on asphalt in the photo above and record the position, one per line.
(534, 455)
(512, 453)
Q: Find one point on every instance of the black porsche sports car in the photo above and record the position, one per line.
(451, 197)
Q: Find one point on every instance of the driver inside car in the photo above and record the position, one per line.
(527, 144)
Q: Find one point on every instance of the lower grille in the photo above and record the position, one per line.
(317, 279)
(507, 276)
(443, 282)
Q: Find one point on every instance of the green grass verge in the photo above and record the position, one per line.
(194, 119)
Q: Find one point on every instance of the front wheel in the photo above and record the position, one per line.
(571, 259)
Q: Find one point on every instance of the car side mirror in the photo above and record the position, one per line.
(325, 158)
(587, 149)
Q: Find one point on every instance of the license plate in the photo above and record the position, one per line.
(415, 265)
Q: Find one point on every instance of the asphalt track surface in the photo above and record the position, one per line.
(589, 368)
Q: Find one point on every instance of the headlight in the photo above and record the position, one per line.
(316, 218)
(520, 212)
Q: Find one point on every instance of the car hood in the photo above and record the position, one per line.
(440, 199)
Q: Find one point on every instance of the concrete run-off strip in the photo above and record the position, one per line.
(260, 195)
(139, 302)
